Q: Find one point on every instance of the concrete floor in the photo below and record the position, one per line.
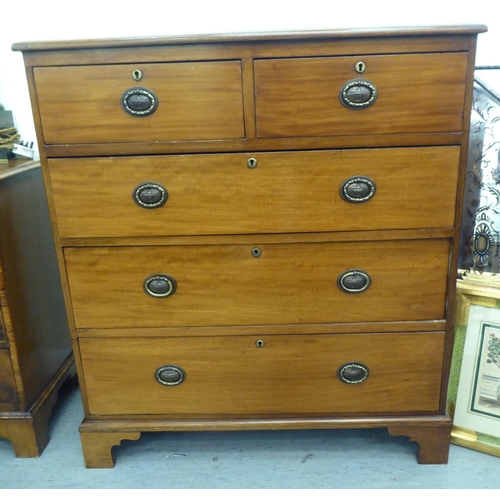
(333, 459)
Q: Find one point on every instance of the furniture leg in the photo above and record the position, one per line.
(434, 442)
(97, 447)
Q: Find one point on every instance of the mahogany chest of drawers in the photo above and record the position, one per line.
(35, 344)
(258, 231)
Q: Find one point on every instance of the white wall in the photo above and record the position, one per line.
(66, 19)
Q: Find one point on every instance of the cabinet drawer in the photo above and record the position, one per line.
(284, 193)
(3, 336)
(8, 394)
(4, 318)
(287, 284)
(300, 97)
(195, 101)
(289, 375)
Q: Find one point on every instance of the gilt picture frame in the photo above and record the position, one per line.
(474, 388)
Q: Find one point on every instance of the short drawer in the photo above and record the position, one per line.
(4, 318)
(219, 285)
(8, 393)
(296, 374)
(414, 93)
(3, 335)
(282, 193)
(87, 104)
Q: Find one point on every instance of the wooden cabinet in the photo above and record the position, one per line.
(35, 344)
(258, 231)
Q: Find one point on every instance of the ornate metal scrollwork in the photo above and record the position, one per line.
(480, 247)
(484, 243)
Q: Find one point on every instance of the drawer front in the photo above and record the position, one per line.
(3, 335)
(5, 321)
(8, 394)
(286, 284)
(285, 192)
(300, 97)
(289, 375)
(195, 101)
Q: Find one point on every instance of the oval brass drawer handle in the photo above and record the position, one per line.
(170, 375)
(353, 373)
(354, 281)
(358, 94)
(150, 195)
(358, 189)
(160, 285)
(139, 101)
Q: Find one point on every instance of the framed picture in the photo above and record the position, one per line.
(474, 390)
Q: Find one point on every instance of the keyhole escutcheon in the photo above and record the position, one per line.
(256, 252)
(360, 67)
(252, 162)
(137, 74)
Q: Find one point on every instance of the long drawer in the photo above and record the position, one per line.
(301, 97)
(270, 284)
(299, 374)
(191, 100)
(284, 192)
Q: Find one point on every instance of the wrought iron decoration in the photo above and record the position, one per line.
(480, 245)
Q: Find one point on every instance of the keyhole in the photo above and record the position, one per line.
(252, 162)
(137, 74)
(260, 344)
(360, 67)
(256, 252)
